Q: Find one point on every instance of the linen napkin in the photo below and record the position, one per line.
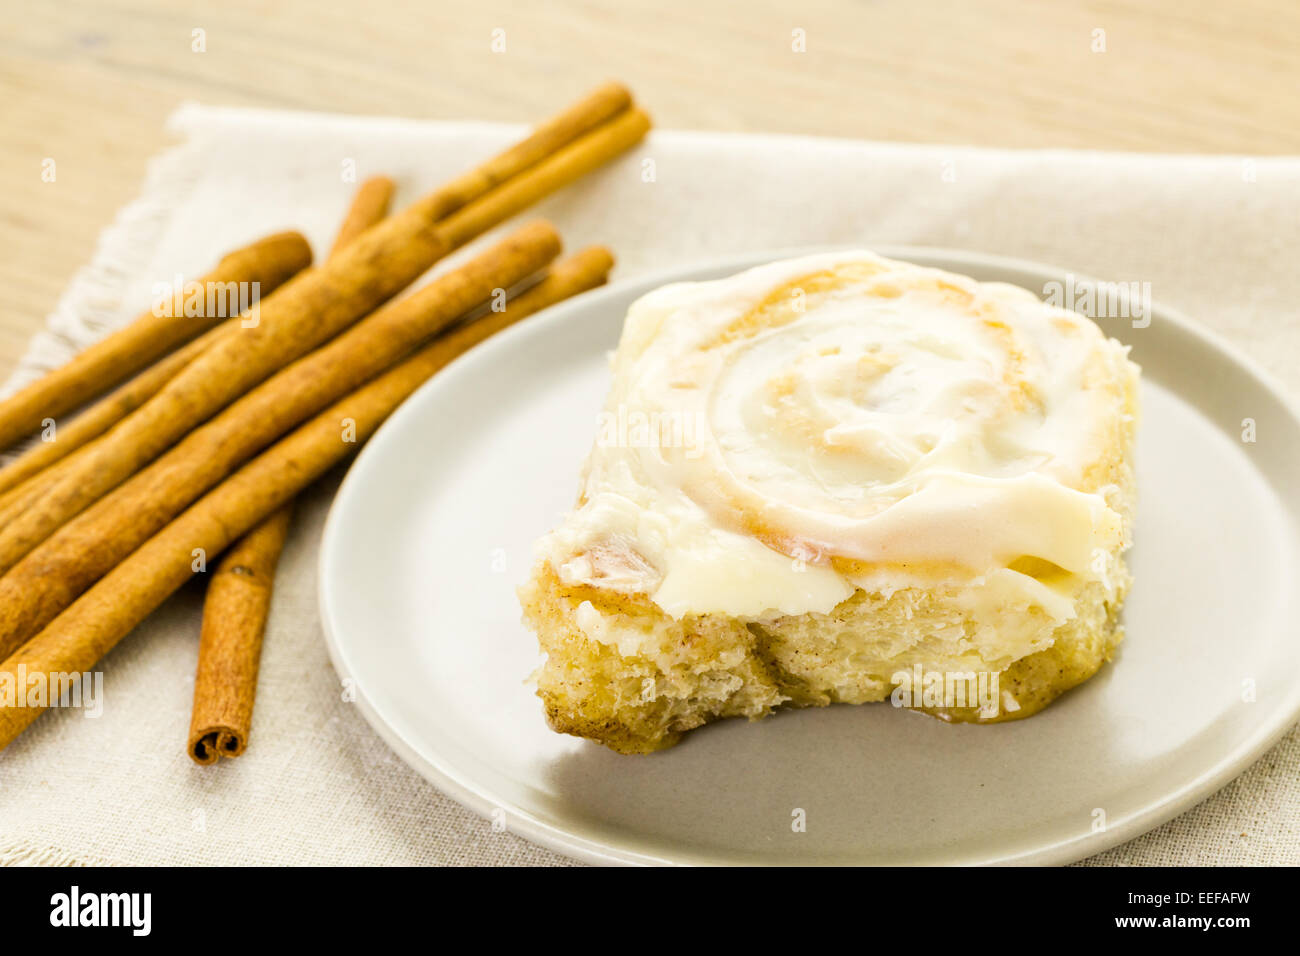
(1214, 235)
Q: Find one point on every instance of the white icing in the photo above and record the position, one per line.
(912, 419)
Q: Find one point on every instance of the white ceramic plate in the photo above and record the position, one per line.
(432, 532)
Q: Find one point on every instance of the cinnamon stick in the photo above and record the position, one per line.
(369, 205)
(316, 305)
(98, 418)
(515, 195)
(53, 574)
(76, 640)
(230, 641)
(267, 262)
(596, 108)
(238, 597)
(25, 480)
(16, 500)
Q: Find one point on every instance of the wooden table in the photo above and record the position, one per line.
(90, 82)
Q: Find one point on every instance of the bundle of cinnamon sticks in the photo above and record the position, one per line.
(227, 418)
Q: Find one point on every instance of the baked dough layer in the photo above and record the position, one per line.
(701, 668)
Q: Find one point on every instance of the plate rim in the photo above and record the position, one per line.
(596, 851)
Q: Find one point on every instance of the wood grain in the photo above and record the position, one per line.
(90, 82)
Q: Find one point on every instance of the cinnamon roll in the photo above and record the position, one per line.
(840, 479)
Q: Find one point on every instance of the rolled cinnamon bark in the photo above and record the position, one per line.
(90, 424)
(556, 171)
(588, 114)
(115, 358)
(238, 597)
(316, 305)
(230, 642)
(98, 418)
(16, 500)
(369, 206)
(25, 480)
(52, 575)
(90, 627)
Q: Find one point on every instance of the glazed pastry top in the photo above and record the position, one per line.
(778, 438)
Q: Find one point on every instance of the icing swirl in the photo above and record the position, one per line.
(817, 424)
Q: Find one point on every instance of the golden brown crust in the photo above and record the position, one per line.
(705, 667)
